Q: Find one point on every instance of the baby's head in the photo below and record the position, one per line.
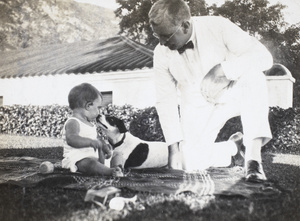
(83, 95)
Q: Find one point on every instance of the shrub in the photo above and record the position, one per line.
(30, 120)
(126, 112)
(48, 121)
(285, 130)
(143, 123)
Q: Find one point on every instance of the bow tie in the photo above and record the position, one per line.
(186, 46)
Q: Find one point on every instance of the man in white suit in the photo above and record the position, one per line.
(212, 70)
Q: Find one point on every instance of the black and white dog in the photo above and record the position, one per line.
(130, 151)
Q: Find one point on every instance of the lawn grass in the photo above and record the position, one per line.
(13, 141)
(43, 202)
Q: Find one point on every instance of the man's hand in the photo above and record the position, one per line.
(214, 83)
(175, 157)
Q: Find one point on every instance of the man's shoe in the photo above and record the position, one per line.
(254, 172)
(239, 158)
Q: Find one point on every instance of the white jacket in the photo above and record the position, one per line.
(217, 41)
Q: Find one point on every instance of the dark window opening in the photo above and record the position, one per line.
(107, 97)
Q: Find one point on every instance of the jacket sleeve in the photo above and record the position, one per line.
(246, 53)
(166, 98)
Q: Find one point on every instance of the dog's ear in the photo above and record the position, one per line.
(121, 126)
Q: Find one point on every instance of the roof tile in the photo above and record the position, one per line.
(112, 54)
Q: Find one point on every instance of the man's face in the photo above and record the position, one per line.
(171, 36)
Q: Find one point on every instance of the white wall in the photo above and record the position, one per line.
(280, 90)
(129, 87)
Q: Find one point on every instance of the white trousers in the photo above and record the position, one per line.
(202, 121)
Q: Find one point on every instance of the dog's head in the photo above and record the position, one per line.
(111, 123)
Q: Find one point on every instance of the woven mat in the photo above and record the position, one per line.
(23, 171)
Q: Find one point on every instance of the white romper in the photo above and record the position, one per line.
(73, 155)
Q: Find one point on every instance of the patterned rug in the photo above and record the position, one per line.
(23, 171)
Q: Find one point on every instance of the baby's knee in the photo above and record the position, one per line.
(87, 165)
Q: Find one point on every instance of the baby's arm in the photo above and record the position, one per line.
(105, 155)
(74, 140)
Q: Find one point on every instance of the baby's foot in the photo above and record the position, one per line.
(117, 172)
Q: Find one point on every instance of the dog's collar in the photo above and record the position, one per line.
(120, 142)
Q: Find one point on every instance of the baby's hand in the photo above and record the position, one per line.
(97, 144)
(108, 154)
(101, 145)
(107, 150)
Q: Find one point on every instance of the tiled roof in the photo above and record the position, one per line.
(113, 54)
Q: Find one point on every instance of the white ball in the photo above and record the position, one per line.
(46, 167)
(117, 203)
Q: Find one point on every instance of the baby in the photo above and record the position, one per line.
(83, 151)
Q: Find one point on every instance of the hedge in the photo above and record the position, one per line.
(48, 121)
(33, 120)
(144, 123)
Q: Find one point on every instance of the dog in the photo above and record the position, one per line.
(130, 151)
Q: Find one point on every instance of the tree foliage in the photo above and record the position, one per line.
(258, 17)
(254, 16)
(267, 23)
(134, 18)
(285, 47)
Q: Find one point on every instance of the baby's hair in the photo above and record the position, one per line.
(174, 11)
(82, 94)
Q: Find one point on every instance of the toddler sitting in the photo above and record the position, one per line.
(83, 151)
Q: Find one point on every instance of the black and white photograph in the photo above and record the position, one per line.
(173, 110)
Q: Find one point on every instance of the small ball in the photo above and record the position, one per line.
(46, 167)
(117, 203)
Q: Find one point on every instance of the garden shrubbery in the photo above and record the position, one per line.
(285, 129)
(30, 120)
(144, 123)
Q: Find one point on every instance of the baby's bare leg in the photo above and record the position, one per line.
(92, 166)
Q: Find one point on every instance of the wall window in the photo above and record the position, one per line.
(107, 97)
